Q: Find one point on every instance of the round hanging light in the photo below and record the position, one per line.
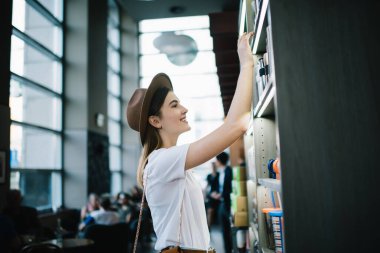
(180, 49)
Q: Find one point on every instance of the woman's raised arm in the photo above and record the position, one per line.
(237, 119)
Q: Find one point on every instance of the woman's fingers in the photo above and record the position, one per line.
(245, 36)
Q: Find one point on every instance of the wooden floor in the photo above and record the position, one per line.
(216, 242)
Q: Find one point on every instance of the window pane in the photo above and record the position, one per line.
(114, 35)
(31, 64)
(34, 107)
(114, 83)
(114, 132)
(172, 24)
(40, 189)
(54, 6)
(198, 130)
(114, 108)
(201, 37)
(114, 59)
(34, 148)
(31, 22)
(116, 183)
(113, 14)
(115, 158)
(204, 109)
(150, 65)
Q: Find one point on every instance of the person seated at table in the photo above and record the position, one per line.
(105, 215)
(136, 194)
(24, 218)
(92, 205)
(124, 207)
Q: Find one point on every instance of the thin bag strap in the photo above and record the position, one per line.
(139, 222)
(180, 220)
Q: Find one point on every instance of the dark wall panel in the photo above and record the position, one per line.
(98, 164)
(326, 62)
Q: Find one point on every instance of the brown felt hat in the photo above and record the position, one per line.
(138, 105)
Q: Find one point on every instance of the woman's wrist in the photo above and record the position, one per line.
(246, 65)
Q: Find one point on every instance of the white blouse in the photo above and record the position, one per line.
(168, 183)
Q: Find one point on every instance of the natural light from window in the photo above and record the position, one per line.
(196, 84)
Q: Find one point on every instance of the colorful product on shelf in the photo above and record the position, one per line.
(241, 204)
(233, 203)
(268, 223)
(239, 173)
(270, 169)
(239, 188)
(276, 168)
(241, 219)
(278, 228)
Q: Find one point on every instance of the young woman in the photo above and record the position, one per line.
(173, 194)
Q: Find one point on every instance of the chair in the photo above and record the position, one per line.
(70, 218)
(41, 248)
(109, 238)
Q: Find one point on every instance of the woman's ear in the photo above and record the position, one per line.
(154, 121)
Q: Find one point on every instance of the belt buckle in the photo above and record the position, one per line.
(211, 250)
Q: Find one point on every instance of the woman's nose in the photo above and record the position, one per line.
(185, 109)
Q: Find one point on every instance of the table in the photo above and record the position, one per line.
(70, 244)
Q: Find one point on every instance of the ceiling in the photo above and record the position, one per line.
(223, 28)
(143, 9)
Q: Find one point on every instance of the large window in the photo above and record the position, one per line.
(115, 123)
(182, 48)
(36, 101)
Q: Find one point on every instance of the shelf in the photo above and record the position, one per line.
(271, 183)
(252, 179)
(265, 106)
(259, 40)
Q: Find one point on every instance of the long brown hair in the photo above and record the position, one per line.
(152, 139)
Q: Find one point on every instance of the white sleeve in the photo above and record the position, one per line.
(169, 164)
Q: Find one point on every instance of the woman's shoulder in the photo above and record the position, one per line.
(167, 163)
(171, 151)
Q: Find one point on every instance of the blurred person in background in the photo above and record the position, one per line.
(91, 205)
(212, 202)
(104, 215)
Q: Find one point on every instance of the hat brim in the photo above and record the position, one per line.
(158, 81)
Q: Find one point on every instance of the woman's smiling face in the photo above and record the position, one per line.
(173, 116)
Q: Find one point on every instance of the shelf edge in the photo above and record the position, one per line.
(264, 100)
(273, 184)
(259, 29)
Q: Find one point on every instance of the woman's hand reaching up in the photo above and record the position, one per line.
(244, 50)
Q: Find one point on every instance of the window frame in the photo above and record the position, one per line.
(113, 25)
(28, 40)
